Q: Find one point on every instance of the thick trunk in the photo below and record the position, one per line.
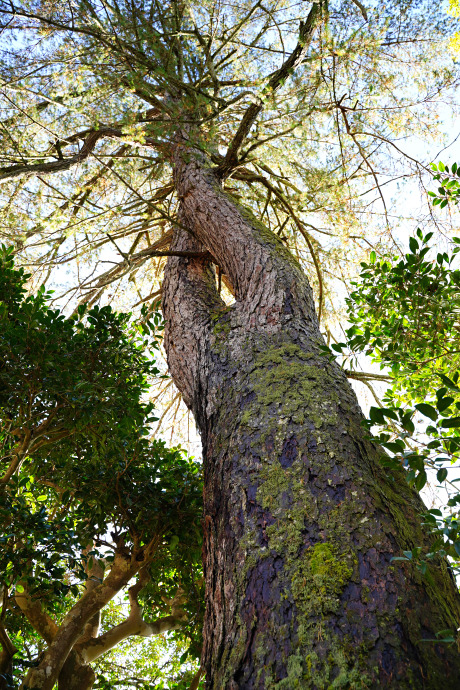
(300, 520)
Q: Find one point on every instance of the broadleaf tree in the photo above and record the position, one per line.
(90, 507)
(240, 140)
(404, 315)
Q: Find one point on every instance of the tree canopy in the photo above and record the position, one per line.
(306, 114)
(95, 92)
(88, 501)
(404, 315)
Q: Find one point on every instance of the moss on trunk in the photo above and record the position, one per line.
(301, 522)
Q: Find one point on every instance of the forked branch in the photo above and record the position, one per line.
(277, 79)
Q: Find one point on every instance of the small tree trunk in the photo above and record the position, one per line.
(301, 522)
(7, 652)
(45, 675)
(75, 675)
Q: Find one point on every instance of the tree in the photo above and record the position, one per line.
(392, 310)
(301, 522)
(88, 504)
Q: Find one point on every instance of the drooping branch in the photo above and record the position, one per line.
(132, 261)
(13, 171)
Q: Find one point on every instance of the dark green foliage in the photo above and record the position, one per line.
(405, 315)
(81, 376)
(80, 474)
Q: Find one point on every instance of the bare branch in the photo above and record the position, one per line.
(92, 137)
(135, 625)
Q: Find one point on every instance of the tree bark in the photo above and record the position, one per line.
(7, 652)
(300, 520)
(75, 674)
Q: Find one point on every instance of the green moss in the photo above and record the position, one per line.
(221, 322)
(318, 580)
(294, 674)
(282, 378)
(365, 594)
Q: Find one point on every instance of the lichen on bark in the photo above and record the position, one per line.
(300, 523)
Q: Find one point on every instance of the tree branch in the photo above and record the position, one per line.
(91, 138)
(6, 656)
(37, 617)
(277, 79)
(365, 376)
(124, 567)
(135, 624)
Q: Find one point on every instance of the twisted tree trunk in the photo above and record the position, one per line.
(301, 522)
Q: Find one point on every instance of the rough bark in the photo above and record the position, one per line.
(300, 520)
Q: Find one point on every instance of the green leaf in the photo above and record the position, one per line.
(372, 257)
(408, 424)
(376, 415)
(387, 412)
(441, 474)
(394, 446)
(427, 410)
(450, 422)
(420, 480)
(447, 382)
(444, 403)
(413, 245)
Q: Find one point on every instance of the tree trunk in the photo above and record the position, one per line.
(45, 675)
(301, 522)
(75, 674)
